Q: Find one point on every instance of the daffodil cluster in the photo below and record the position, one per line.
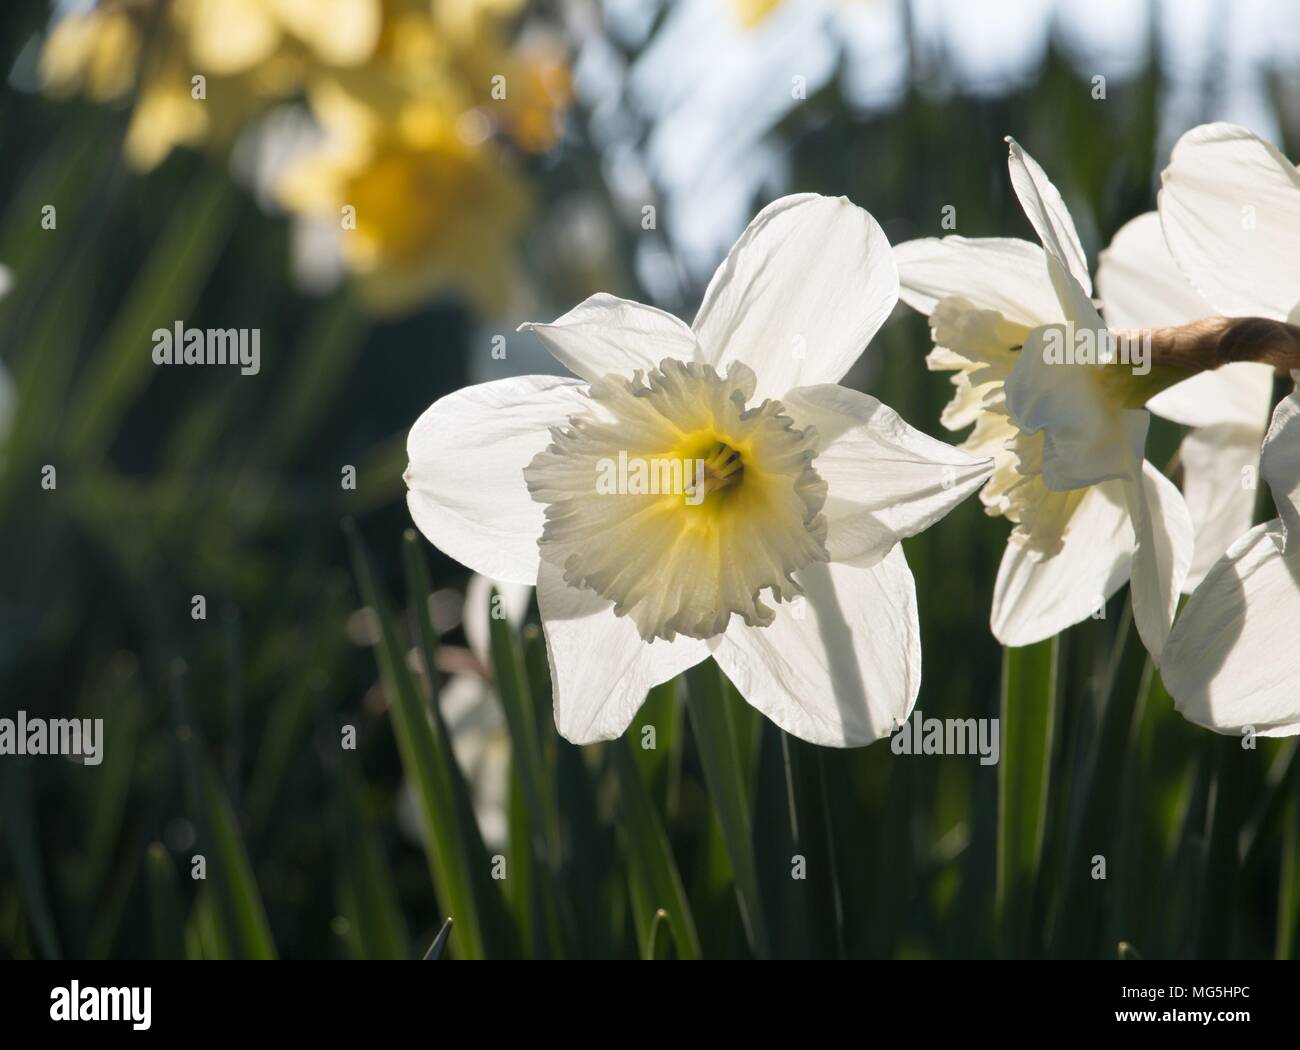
(780, 557)
(415, 102)
(1210, 281)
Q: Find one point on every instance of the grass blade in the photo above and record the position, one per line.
(517, 701)
(1092, 828)
(1278, 794)
(163, 293)
(439, 942)
(1221, 858)
(650, 854)
(539, 823)
(241, 902)
(1288, 902)
(458, 862)
(729, 788)
(164, 904)
(366, 882)
(652, 938)
(19, 827)
(1028, 718)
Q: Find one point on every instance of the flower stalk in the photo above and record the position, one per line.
(1216, 341)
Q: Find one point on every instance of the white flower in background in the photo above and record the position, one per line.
(805, 497)
(511, 603)
(1226, 243)
(1232, 659)
(1067, 439)
(1227, 408)
(475, 720)
(1230, 208)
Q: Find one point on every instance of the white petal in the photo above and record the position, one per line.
(1139, 284)
(800, 294)
(466, 474)
(1035, 597)
(1048, 214)
(994, 273)
(842, 666)
(1237, 394)
(607, 334)
(1231, 660)
(1279, 463)
(469, 706)
(1221, 458)
(601, 670)
(886, 479)
(1085, 441)
(1163, 555)
(477, 612)
(1230, 206)
(1220, 472)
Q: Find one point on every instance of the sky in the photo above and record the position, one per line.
(690, 115)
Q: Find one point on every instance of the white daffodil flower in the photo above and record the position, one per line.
(1232, 662)
(1066, 432)
(771, 478)
(1230, 209)
(1229, 217)
(1227, 409)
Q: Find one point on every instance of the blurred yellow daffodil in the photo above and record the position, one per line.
(414, 99)
(95, 52)
(417, 203)
(235, 36)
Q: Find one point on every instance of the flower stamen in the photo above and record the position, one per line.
(723, 467)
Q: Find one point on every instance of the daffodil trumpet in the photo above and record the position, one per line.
(1043, 380)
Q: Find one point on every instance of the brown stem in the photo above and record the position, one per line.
(1217, 341)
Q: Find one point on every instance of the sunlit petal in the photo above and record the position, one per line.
(802, 292)
(839, 667)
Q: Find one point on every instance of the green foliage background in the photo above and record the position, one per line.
(222, 735)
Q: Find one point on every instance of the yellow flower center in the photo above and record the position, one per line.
(679, 504)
